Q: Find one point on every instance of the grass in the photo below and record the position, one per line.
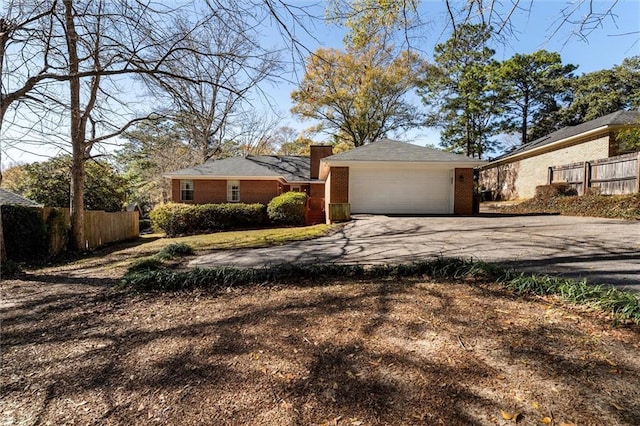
(126, 254)
(243, 239)
(610, 206)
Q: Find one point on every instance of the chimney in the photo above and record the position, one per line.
(318, 152)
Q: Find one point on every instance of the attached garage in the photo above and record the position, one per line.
(400, 189)
(392, 177)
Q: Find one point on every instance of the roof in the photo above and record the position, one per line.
(619, 118)
(293, 168)
(8, 197)
(391, 150)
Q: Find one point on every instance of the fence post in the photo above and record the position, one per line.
(638, 173)
(586, 185)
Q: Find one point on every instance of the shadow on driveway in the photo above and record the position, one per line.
(605, 251)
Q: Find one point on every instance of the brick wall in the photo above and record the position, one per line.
(530, 172)
(318, 152)
(215, 191)
(339, 186)
(463, 192)
(317, 190)
(258, 191)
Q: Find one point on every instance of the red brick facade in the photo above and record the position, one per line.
(339, 191)
(215, 191)
(318, 152)
(316, 190)
(463, 192)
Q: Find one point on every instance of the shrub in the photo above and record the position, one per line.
(57, 232)
(183, 219)
(144, 225)
(9, 269)
(25, 236)
(544, 192)
(175, 250)
(288, 208)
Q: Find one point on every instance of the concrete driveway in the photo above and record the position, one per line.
(601, 250)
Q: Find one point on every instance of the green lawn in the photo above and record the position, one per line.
(239, 239)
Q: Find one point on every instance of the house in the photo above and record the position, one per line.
(250, 179)
(384, 177)
(11, 198)
(393, 177)
(517, 173)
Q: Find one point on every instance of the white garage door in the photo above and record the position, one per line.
(400, 190)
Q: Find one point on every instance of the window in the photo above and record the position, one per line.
(295, 188)
(186, 190)
(233, 190)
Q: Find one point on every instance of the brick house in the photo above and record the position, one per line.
(392, 177)
(516, 174)
(384, 177)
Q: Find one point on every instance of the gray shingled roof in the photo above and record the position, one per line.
(292, 168)
(8, 197)
(613, 119)
(391, 150)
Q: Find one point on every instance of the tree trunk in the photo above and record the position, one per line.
(525, 117)
(76, 240)
(3, 253)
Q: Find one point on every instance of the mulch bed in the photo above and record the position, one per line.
(335, 353)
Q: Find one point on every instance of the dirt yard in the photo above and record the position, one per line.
(75, 351)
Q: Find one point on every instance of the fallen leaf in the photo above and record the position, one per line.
(546, 420)
(506, 415)
(500, 377)
(567, 424)
(618, 407)
(535, 405)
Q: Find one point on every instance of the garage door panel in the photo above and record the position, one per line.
(400, 191)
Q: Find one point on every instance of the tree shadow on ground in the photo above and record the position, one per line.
(376, 352)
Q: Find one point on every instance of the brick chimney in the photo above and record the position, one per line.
(318, 152)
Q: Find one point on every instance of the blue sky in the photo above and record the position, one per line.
(607, 45)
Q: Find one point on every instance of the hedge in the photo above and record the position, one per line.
(184, 219)
(25, 234)
(288, 208)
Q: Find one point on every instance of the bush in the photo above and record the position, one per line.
(57, 232)
(174, 250)
(144, 225)
(288, 208)
(9, 269)
(25, 235)
(184, 219)
(560, 189)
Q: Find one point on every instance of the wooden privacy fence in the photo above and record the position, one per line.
(100, 228)
(609, 176)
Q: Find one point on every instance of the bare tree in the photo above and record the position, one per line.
(75, 58)
(232, 65)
